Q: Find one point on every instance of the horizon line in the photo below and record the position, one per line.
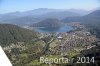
(50, 8)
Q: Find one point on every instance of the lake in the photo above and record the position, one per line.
(58, 29)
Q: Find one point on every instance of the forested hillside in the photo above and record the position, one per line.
(51, 22)
(12, 33)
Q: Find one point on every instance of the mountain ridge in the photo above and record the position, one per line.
(40, 13)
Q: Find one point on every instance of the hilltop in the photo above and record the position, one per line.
(47, 23)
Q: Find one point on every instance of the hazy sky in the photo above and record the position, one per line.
(24, 5)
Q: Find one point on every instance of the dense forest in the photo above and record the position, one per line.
(12, 33)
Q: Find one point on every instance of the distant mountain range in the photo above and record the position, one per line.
(92, 18)
(36, 15)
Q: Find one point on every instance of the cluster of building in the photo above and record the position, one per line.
(69, 40)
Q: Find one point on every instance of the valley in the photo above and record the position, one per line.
(49, 45)
(51, 33)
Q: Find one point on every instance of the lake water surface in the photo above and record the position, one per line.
(58, 29)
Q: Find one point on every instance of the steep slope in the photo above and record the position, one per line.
(12, 33)
(93, 18)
